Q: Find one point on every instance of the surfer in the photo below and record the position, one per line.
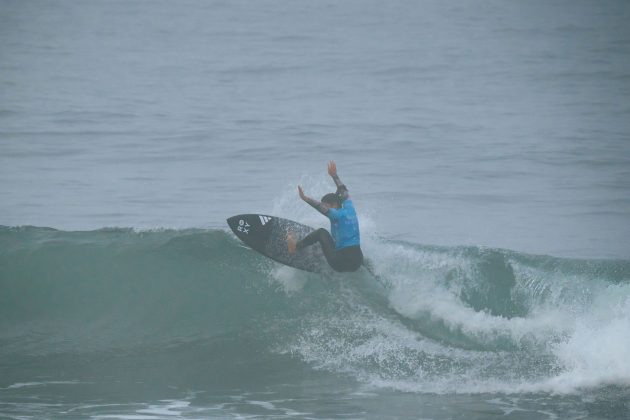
(342, 249)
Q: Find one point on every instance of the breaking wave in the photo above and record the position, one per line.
(427, 319)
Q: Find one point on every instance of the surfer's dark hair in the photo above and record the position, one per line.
(331, 198)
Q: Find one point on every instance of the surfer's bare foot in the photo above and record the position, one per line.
(291, 243)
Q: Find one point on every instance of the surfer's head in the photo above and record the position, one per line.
(331, 200)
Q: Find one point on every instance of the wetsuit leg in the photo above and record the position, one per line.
(350, 258)
(346, 259)
(326, 241)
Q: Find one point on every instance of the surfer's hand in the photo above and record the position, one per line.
(332, 168)
(301, 192)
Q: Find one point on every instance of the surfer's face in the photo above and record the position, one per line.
(331, 205)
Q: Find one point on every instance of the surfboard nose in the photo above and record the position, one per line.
(233, 223)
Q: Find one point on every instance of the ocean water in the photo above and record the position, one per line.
(486, 145)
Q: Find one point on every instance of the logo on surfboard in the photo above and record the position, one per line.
(264, 219)
(243, 226)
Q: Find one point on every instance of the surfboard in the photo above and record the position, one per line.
(268, 235)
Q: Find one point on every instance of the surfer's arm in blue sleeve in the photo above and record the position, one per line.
(342, 190)
(317, 205)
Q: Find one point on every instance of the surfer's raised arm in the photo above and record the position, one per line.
(342, 190)
(317, 205)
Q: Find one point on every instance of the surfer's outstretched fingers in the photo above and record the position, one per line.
(332, 168)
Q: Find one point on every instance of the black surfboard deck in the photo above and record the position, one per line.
(268, 235)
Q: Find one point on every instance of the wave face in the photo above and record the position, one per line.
(431, 319)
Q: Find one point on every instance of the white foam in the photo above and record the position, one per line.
(576, 328)
(166, 408)
(264, 404)
(125, 416)
(417, 289)
(582, 323)
(290, 279)
(36, 384)
(163, 409)
(597, 352)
